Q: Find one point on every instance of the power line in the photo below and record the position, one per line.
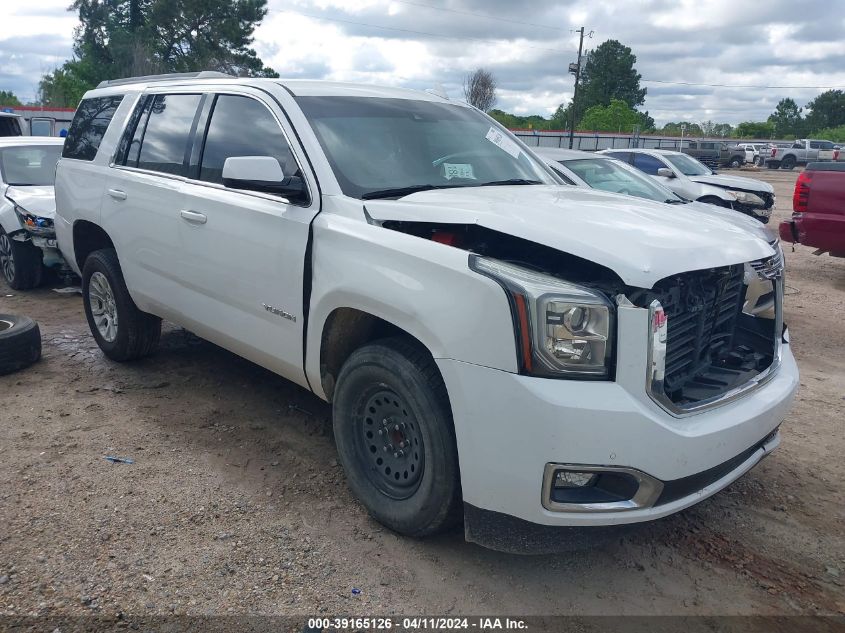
(686, 83)
(478, 15)
(394, 28)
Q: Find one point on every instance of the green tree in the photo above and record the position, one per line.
(608, 73)
(121, 38)
(616, 117)
(8, 98)
(755, 129)
(826, 111)
(722, 130)
(674, 129)
(835, 134)
(787, 119)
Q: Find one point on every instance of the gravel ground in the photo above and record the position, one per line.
(235, 503)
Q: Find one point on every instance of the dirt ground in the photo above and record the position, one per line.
(236, 504)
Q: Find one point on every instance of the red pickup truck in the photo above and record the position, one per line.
(818, 209)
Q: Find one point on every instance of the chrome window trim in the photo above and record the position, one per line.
(647, 494)
(654, 385)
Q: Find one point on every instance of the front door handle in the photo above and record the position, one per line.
(193, 217)
(117, 194)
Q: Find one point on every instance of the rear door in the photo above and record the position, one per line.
(242, 253)
(144, 195)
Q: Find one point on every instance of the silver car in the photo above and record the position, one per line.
(694, 181)
(27, 209)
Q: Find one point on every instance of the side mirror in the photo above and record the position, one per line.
(665, 172)
(261, 173)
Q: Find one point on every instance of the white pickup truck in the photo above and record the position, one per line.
(497, 347)
(803, 151)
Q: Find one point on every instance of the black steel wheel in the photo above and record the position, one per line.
(390, 440)
(395, 438)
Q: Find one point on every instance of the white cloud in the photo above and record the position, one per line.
(527, 44)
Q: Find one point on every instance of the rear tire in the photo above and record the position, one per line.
(20, 342)
(788, 163)
(20, 262)
(121, 330)
(395, 437)
(736, 163)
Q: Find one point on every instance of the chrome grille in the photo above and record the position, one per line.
(769, 267)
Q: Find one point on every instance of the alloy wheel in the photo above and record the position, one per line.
(103, 307)
(7, 258)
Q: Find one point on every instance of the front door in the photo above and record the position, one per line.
(242, 253)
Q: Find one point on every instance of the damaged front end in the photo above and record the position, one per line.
(710, 341)
(715, 333)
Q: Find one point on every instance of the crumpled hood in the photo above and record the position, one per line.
(39, 201)
(736, 218)
(734, 182)
(642, 241)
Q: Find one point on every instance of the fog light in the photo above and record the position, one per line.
(572, 479)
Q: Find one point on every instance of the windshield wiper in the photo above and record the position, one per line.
(675, 201)
(512, 181)
(398, 192)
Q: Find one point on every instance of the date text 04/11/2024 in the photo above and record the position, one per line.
(417, 623)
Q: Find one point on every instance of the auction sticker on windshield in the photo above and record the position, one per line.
(458, 170)
(503, 142)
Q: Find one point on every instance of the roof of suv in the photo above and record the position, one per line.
(297, 87)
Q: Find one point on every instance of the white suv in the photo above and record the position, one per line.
(494, 345)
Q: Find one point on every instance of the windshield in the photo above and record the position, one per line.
(381, 147)
(687, 165)
(29, 165)
(609, 174)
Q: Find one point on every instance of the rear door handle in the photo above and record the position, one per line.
(193, 217)
(117, 194)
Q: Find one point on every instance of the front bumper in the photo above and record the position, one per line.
(510, 427)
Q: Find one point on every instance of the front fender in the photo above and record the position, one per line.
(8, 218)
(422, 287)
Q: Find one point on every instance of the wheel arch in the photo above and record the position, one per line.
(346, 329)
(87, 238)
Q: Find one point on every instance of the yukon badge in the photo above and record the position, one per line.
(279, 312)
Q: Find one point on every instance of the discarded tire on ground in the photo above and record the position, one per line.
(20, 342)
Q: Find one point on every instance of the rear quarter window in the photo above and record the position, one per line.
(89, 124)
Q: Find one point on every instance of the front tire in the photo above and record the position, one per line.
(395, 438)
(20, 263)
(121, 330)
(736, 163)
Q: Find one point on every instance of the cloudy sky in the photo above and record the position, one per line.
(798, 46)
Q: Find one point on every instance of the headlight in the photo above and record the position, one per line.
(746, 198)
(33, 223)
(562, 330)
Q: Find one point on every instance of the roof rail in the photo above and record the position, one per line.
(204, 74)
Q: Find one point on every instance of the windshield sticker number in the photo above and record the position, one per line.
(503, 142)
(458, 170)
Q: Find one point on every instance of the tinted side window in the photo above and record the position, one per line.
(623, 156)
(825, 145)
(648, 164)
(89, 124)
(165, 138)
(9, 126)
(815, 145)
(241, 126)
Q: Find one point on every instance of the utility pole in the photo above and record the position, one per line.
(576, 69)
